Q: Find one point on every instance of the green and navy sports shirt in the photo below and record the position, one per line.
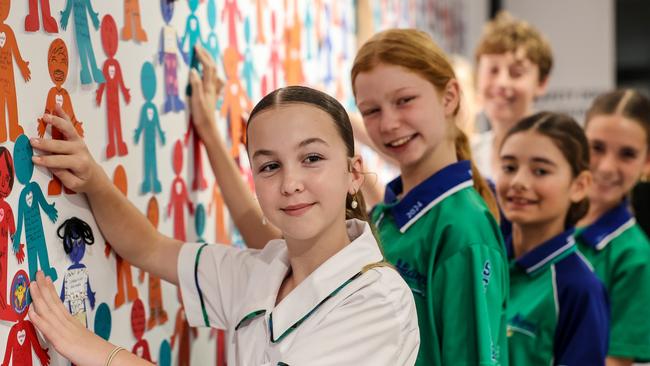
(558, 312)
(619, 251)
(447, 246)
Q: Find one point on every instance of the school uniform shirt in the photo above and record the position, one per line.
(446, 245)
(558, 312)
(619, 251)
(338, 315)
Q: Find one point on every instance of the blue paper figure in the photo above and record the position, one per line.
(212, 43)
(29, 204)
(327, 48)
(103, 321)
(308, 26)
(168, 56)
(165, 354)
(248, 68)
(199, 222)
(76, 234)
(82, 9)
(150, 124)
(191, 36)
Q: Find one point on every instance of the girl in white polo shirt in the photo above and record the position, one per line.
(320, 296)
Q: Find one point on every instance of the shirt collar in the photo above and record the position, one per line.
(545, 254)
(608, 226)
(427, 194)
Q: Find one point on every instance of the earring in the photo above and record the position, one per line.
(354, 204)
(264, 221)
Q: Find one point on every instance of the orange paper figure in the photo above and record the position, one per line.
(113, 85)
(124, 277)
(231, 10)
(260, 4)
(219, 212)
(9, 51)
(234, 96)
(141, 347)
(293, 74)
(57, 64)
(182, 331)
(132, 20)
(179, 196)
(157, 313)
(31, 20)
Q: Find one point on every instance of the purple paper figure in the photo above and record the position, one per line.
(168, 56)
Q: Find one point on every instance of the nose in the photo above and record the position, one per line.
(503, 79)
(292, 182)
(520, 181)
(606, 163)
(389, 120)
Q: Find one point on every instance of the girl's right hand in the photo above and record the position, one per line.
(68, 159)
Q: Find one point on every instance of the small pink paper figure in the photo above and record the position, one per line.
(179, 196)
(31, 20)
(141, 347)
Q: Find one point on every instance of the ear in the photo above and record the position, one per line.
(356, 174)
(580, 186)
(645, 171)
(451, 98)
(542, 87)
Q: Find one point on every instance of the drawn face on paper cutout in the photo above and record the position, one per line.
(78, 248)
(178, 157)
(6, 172)
(57, 62)
(167, 10)
(23, 164)
(103, 321)
(153, 212)
(18, 293)
(199, 219)
(137, 319)
(212, 13)
(5, 5)
(194, 4)
(148, 81)
(109, 35)
(119, 179)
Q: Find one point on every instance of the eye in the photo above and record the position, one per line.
(628, 154)
(540, 172)
(598, 148)
(312, 158)
(269, 167)
(516, 72)
(508, 168)
(402, 101)
(369, 112)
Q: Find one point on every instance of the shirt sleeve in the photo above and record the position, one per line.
(468, 298)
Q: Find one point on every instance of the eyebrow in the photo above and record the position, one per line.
(303, 143)
(534, 159)
(361, 103)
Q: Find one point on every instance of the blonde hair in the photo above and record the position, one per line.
(415, 51)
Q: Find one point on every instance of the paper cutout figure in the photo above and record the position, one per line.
(220, 335)
(199, 182)
(157, 313)
(293, 73)
(76, 234)
(248, 69)
(199, 222)
(191, 36)
(259, 6)
(29, 212)
(132, 20)
(141, 347)
(345, 35)
(275, 63)
(179, 198)
(7, 228)
(150, 124)
(165, 354)
(212, 43)
(182, 333)
(82, 9)
(234, 96)
(103, 321)
(308, 26)
(31, 20)
(327, 49)
(22, 335)
(113, 85)
(220, 219)
(8, 51)
(168, 56)
(232, 11)
(57, 64)
(124, 276)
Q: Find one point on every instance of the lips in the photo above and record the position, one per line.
(519, 202)
(297, 209)
(397, 143)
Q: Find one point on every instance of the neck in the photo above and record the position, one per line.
(442, 156)
(528, 237)
(596, 210)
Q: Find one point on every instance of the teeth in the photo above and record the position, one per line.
(400, 142)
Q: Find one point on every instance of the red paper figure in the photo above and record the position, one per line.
(179, 197)
(199, 182)
(157, 313)
(124, 277)
(7, 228)
(57, 64)
(182, 331)
(231, 10)
(141, 347)
(31, 20)
(293, 74)
(220, 334)
(219, 212)
(9, 51)
(260, 4)
(113, 85)
(22, 335)
(234, 96)
(132, 20)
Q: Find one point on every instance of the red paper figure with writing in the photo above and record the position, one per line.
(182, 333)
(31, 20)
(157, 313)
(179, 197)
(7, 228)
(141, 347)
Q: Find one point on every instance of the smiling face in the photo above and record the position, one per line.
(57, 62)
(300, 169)
(619, 155)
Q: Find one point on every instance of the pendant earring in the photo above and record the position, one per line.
(354, 204)
(264, 221)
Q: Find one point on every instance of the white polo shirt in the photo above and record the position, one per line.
(338, 315)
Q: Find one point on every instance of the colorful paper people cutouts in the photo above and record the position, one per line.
(248, 69)
(141, 347)
(220, 219)
(234, 96)
(199, 222)
(29, 213)
(31, 20)
(8, 52)
(275, 63)
(212, 43)
(82, 9)
(165, 354)
(168, 56)
(149, 123)
(182, 334)
(179, 198)
(103, 321)
(7, 228)
(220, 335)
(132, 20)
(232, 12)
(293, 73)
(76, 289)
(259, 7)
(192, 35)
(113, 86)
(22, 335)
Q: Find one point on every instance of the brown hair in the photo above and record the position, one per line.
(415, 51)
(508, 34)
(304, 95)
(570, 138)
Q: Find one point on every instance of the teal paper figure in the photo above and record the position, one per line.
(165, 354)
(103, 321)
(192, 35)
(199, 222)
(168, 56)
(212, 43)
(29, 204)
(150, 124)
(82, 9)
(308, 25)
(248, 68)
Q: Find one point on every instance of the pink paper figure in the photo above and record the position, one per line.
(7, 228)
(141, 347)
(275, 63)
(113, 85)
(31, 20)
(220, 335)
(179, 196)
(22, 335)
(234, 96)
(182, 331)
(132, 19)
(8, 51)
(231, 10)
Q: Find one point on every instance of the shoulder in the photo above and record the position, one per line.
(574, 277)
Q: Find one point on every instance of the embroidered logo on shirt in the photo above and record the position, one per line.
(487, 271)
(414, 210)
(520, 325)
(416, 280)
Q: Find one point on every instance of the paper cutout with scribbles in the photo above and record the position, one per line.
(22, 335)
(103, 321)
(32, 21)
(165, 354)
(149, 123)
(199, 222)
(183, 333)
(248, 67)
(7, 228)
(179, 197)
(124, 276)
(8, 52)
(235, 101)
(219, 212)
(76, 234)
(141, 347)
(133, 20)
(29, 213)
(82, 9)
(293, 70)
(168, 56)
(113, 86)
(220, 335)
